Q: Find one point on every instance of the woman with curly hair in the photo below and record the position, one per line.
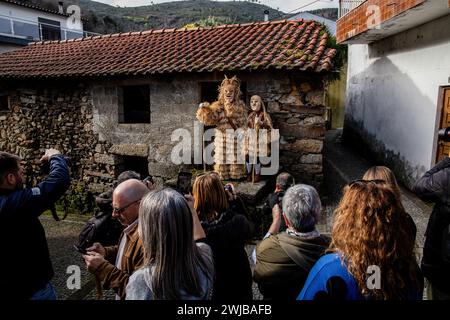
(386, 174)
(371, 252)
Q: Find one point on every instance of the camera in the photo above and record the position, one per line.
(45, 166)
(148, 179)
(444, 134)
(184, 182)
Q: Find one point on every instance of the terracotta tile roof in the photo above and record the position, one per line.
(286, 45)
(35, 7)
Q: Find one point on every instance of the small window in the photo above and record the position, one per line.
(137, 164)
(209, 91)
(134, 105)
(4, 102)
(49, 29)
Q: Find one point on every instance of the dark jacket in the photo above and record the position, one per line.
(283, 263)
(271, 201)
(227, 237)
(434, 186)
(27, 266)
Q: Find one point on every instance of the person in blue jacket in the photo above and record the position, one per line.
(371, 252)
(26, 269)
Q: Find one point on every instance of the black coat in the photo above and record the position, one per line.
(26, 267)
(434, 186)
(227, 237)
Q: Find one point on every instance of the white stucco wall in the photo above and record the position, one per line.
(392, 92)
(31, 15)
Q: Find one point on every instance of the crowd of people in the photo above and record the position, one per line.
(173, 246)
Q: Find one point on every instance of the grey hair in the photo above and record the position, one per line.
(301, 207)
(166, 231)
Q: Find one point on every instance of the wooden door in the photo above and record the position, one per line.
(444, 147)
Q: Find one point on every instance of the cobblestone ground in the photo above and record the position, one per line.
(61, 236)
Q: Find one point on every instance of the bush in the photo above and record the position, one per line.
(77, 200)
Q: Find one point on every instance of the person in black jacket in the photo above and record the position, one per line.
(434, 186)
(26, 269)
(227, 229)
(283, 182)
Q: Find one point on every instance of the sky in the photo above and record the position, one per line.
(284, 5)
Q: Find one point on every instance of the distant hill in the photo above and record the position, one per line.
(329, 13)
(103, 18)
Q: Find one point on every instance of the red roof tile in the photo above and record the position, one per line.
(286, 45)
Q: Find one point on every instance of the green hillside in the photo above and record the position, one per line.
(102, 18)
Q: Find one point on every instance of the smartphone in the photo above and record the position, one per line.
(79, 249)
(184, 182)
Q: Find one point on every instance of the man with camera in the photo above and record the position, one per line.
(283, 182)
(26, 268)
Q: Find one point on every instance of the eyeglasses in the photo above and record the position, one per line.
(121, 210)
(361, 181)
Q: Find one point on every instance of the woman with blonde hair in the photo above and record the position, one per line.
(175, 266)
(386, 174)
(227, 229)
(371, 254)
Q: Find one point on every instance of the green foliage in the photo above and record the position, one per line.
(77, 200)
(211, 21)
(341, 55)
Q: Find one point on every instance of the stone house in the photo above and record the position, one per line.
(398, 88)
(112, 102)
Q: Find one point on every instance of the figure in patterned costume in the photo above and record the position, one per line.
(257, 120)
(228, 112)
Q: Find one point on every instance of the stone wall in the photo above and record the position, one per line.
(82, 121)
(54, 117)
(296, 105)
(294, 102)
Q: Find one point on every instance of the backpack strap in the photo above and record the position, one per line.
(55, 214)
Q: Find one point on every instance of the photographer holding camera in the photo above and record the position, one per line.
(283, 182)
(26, 268)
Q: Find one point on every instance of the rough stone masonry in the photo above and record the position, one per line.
(69, 115)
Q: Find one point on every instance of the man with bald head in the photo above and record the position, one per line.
(114, 265)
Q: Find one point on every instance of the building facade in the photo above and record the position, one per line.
(117, 109)
(22, 23)
(398, 88)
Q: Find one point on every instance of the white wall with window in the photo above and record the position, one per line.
(32, 24)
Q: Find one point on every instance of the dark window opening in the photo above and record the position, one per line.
(209, 91)
(138, 164)
(135, 104)
(4, 102)
(49, 29)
